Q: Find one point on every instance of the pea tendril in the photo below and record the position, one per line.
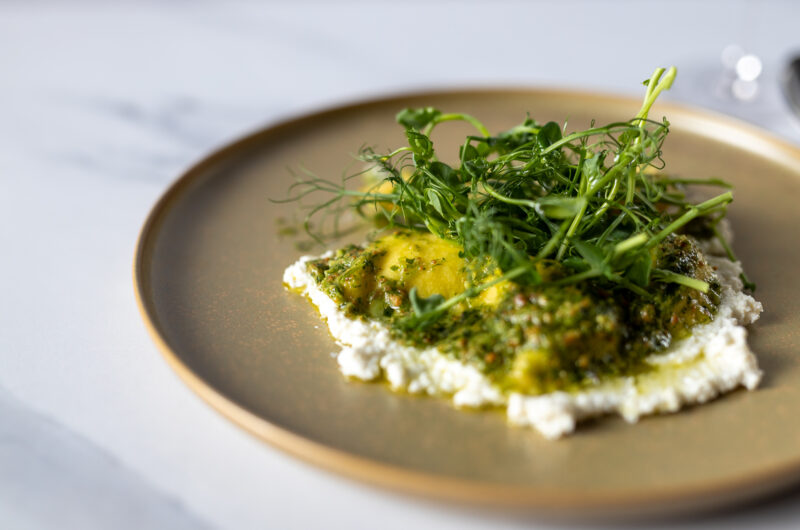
(588, 200)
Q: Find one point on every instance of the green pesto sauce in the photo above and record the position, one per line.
(542, 338)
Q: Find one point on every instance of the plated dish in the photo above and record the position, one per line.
(209, 280)
(559, 274)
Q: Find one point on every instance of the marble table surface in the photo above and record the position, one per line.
(102, 104)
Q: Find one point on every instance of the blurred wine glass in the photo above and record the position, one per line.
(740, 74)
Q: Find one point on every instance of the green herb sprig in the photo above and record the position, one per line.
(531, 196)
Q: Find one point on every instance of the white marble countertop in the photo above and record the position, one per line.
(102, 105)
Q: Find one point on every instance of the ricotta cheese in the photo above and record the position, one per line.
(713, 360)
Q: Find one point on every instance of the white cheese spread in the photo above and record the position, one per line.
(713, 360)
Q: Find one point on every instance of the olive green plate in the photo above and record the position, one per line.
(208, 277)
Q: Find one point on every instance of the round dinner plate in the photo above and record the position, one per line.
(208, 274)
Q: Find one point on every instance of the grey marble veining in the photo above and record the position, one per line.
(48, 471)
(178, 127)
(103, 104)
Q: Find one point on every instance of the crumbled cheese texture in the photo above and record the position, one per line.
(713, 360)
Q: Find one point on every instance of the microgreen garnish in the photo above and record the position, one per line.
(531, 196)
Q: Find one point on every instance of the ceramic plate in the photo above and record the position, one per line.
(208, 276)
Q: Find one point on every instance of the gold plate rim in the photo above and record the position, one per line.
(617, 503)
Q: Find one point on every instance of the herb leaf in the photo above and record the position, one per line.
(423, 306)
(417, 119)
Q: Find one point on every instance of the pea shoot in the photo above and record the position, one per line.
(530, 197)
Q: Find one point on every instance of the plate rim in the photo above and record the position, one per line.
(702, 496)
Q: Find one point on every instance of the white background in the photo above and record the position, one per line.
(102, 104)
